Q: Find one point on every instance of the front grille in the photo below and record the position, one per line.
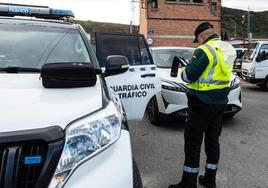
(13, 165)
(31, 162)
(245, 72)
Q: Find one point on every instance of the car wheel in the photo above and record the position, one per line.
(231, 115)
(266, 83)
(153, 112)
(137, 182)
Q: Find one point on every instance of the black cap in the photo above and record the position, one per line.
(202, 27)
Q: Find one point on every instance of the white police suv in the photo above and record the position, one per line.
(172, 100)
(61, 123)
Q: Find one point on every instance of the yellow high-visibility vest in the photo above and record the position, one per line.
(217, 75)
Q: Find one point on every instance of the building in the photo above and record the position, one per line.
(172, 22)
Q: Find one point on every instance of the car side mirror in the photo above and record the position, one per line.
(176, 64)
(68, 75)
(116, 64)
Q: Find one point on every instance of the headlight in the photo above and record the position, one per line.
(86, 138)
(169, 85)
(251, 72)
(235, 83)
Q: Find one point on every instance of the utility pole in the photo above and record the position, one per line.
(133, 11)
(235, 31)
(243, 32)
(249, 32)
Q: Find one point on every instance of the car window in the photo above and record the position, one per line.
(145, 58)
(249, 53)
(264, 51)
(163, 58)
(33, 46)
(131, 46)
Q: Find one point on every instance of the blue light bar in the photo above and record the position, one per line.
(60, 12)
(34, 11)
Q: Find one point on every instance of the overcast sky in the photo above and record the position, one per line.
(120, 11)
(254, 5)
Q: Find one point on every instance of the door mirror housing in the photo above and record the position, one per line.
(176, 64)
(116, 64)
(68, 75)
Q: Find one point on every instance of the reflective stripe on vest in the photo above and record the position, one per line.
(206, 81)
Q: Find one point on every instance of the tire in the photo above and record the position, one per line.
(266, 84)
(153, 112)
(229, 116)
(137, 182)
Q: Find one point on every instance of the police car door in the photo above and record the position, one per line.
(141, 82)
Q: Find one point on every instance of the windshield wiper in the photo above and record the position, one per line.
(19, 69)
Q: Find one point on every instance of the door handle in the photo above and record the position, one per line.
(148, 75)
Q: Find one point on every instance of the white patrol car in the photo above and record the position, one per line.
(172, 99)
(61, 124)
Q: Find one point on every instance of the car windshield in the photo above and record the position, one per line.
(249, 53)
(163, 57)
(31, 46)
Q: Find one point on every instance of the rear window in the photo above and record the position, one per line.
(33, 46)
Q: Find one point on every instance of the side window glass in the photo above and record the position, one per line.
(145, 58)
(133, 47)
(264, 52)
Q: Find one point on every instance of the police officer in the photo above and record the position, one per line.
(208, 76)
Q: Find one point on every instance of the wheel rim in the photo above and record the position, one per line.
(151, 112)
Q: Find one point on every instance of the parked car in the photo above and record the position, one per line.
(255, 64)
(172, 100)
(63, 110)
(238, 62)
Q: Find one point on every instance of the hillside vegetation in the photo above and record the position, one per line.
(92, 27)
(231, 18)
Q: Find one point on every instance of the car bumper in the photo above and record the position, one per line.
(110, 169)
(252, 80)
(175, 103)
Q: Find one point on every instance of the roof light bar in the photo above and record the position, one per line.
(34, 11)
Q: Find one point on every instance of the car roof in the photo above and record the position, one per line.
(37, 22)
(171, 48)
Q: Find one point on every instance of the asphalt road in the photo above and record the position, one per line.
(244, 147)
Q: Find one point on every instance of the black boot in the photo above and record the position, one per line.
(188, 181)
(179, 185)
(209, 179)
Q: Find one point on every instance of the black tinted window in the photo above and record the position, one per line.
(131, 46)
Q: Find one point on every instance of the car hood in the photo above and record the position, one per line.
(165, 75)
(26, 104)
